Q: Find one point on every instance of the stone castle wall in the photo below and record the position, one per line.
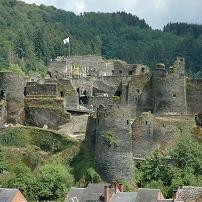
(142, 134)
(169, 94)
(12, 88)
(194, 96)
(38, 89)
(139, 92)
(150, 132)
(113, 147)
(169, 89)
(94, 102)
(90, 137)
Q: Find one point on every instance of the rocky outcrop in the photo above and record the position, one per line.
(40, 117)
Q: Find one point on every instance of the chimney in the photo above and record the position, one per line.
(121, 187)
(106, 194)
(174, 194)
(116, 188)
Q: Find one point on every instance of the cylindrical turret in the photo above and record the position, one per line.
(12, 91)
(169, 89)
(113, 148)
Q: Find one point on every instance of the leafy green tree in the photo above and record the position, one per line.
(84, 167)
(52, 181)
(154, 169)
(156, 172)
(22, 179)
(188, 153)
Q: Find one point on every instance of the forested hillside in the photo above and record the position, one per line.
(32, 35)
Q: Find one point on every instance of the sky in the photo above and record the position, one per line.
(157, 13)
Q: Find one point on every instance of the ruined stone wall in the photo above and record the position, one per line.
(142, 135)
(80, 67)
(167, 129)
(83, 83)
(194, 96)
(45, 111)
(151, 132)
(41, 89)
(169, 89)
(169, 95)
(3, 112)
(70, 94)
(90, 136)
(113, 148)
(121, 68)
(139, 92)
(95, 101)
(12, 86)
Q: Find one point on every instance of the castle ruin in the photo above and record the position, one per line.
(132, 109)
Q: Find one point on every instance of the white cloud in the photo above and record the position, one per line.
(156, 12)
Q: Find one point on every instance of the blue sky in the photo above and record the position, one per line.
(156, 12)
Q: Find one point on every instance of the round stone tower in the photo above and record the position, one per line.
(113, 147)
(169, 89)
(12, 91)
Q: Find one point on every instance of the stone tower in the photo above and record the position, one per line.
(113, 147)
(12, 91)
(169, 88)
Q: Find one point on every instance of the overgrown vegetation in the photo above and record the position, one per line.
(15, 68)
(30, 160)
(46, 173)
(181, 166)
(110, 139)
(43, 164)
(33, 35)
(84, 167)
(45, 140)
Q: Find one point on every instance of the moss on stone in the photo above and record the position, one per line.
(189, 86)
(110, 139)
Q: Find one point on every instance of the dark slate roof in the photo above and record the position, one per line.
(147, 195)
(124, 197)
(75, 192)
(93, 192)
(7, 195)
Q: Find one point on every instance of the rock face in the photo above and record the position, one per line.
(45, 111)
(3, 113)
(113, 147)
(12, 91)
(47, 116)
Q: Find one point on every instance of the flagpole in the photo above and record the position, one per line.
(69, 50)
(65, 41)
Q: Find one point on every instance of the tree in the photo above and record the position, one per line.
(188, 153)
(22, 179)
(155, 172)
(52, 181)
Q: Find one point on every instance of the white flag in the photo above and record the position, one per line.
(66, 40)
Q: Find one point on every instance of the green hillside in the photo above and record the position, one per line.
(43, 163)
(31, 35)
